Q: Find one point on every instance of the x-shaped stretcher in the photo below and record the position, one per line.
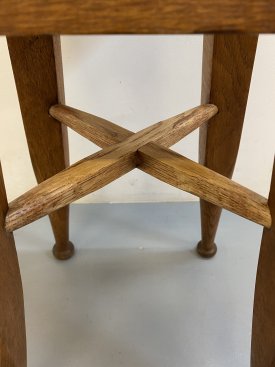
(123, 151)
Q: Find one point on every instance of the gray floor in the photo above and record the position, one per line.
(136, 294)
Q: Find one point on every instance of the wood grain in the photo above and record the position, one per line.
(22, 17)
(104, 133)
(12, 323)
(37, 68)
(227, 69)
(170, 167)
(99, 169)
(198, 180)
(96, 129)
(263, 330)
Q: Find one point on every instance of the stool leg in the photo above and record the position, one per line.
(263, 329)
(37, 69)
(227, 69)
(12, 322)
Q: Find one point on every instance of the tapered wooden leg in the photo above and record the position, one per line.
(12, 323)
(263, 329)
(37, 69)
(227, 69)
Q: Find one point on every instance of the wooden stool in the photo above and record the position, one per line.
(31, 28)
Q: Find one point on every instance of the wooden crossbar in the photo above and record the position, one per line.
(192, 177)
(171, 167)
(99, 169)
(105, 133)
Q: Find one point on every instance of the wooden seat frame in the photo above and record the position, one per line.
(228, 56)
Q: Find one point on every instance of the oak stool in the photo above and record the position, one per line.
(231, 32)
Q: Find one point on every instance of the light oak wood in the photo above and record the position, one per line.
(170, 167)
(96, 129)
(139, 17)
(12, 323)
(37, 68)
(263, 330)
(99, 169)
(104, 133)
(192, 177)
(227, 69)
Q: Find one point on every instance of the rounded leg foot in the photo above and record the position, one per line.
(64, 252)
(206, 251)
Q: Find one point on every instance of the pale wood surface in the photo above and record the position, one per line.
(37, 68)
(170, 167)
(104, 133)
(263, 330)
(228, 64)
(227, 68)
(140, 16)
(12, 323)
(98, 130)
(98, 170)
(192, 177)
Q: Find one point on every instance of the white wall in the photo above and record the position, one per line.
(136, 81)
